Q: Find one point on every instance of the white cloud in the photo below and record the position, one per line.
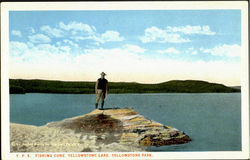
(172, 34)
(17, 48)
(122, 66)
(52, 32)
(205, 30)
(110, 36)
(70, 42)
(155, 34)
(224, 50)
(47, 61)
(77, 31)
(58, 43)
(78, 38)
(39, 38)
(169, 50)
(77, 26)
(65, 49)
(40, 61)
(16, 33)
(134, 48)
(192, 51)
(32, 30)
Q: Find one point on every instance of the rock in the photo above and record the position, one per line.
(100, 130)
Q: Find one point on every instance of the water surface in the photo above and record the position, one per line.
(213, 120)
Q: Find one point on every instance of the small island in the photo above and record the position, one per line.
(109, 130)
(176, 86)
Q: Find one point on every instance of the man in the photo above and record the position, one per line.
(101, 90)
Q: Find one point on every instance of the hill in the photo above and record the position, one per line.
(236, 87)
(175, 86)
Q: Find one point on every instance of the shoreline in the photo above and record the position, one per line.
(175, 86)
(126, 93)
(172, 93)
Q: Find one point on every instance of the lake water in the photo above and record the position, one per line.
(213, 121)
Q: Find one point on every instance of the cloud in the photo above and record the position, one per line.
(134, 48)
(110, 36)
(78, 38)
(18, 48)
(32, 30)
(224, 50)
(48, 49)
(70, 42)
(52, 32)
(78, 31)
(39, 38)
(77, 26)
(169, 50)
(155, 34)
(16, 33)
(125, 50)
(39, 61)
(205, 30)
(194, 52)
(122, 65)
(65, 49)
(173, 34)
(191, 51)
(47, 61)
(30, 51)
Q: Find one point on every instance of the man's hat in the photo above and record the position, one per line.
(103, 73)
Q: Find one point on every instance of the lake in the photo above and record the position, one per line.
(212, 120)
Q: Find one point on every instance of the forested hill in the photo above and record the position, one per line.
(175, 86)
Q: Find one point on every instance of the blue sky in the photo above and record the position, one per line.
(147, 46)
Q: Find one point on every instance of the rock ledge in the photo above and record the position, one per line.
(100, 130)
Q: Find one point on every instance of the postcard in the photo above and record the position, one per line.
(124, 80)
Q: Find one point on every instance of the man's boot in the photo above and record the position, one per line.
(102, 105)
(96, 105)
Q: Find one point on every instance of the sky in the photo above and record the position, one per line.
(145, 46)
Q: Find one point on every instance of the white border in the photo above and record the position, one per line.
(34, 6)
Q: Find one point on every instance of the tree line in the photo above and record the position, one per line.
(83, 87)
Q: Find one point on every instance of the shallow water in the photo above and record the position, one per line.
(213, 121)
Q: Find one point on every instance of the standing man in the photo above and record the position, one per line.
(101, 89)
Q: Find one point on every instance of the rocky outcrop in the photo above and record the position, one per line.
(99, 130)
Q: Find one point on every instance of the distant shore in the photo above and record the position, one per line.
(21, 86)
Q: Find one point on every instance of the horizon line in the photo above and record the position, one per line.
(124, 81)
